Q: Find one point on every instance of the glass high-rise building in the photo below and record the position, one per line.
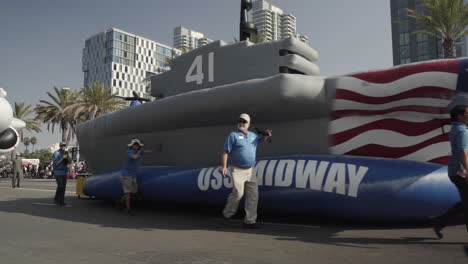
(188, 39)
(273, 23)
(408, 47)
(123, 61)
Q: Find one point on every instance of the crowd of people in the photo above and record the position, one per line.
(43, 171)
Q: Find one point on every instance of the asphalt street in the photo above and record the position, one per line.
(34, 230)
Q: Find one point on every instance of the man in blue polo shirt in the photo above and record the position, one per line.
(239, 152)
(61, 159)
(457, 168)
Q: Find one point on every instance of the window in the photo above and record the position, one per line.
(405, 60)
(115, 67)
(403, 27)
(126, 69)
(123, 76)
(113, 82)
(120, 83)
(423, 48)
(404, 39)
(420, 7)
(422, 37)
(404, 51)
(117, 74)
(423, 58)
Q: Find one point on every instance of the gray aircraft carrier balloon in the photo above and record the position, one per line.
(343, 145)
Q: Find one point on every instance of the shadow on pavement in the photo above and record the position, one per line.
(152, 216)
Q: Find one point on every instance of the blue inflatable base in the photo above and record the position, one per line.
(348, 187)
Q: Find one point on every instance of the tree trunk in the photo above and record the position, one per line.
(450, 50)
(64, 133)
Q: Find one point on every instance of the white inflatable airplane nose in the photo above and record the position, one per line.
(9, 125)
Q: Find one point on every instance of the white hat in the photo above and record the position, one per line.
(137, 141)
(246, 117)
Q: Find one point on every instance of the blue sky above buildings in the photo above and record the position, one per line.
(42, 40)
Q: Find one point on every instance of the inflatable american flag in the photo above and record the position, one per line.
(397, 113)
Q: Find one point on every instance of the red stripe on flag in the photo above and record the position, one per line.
(386, 76)
(403, 127)
(420, 92)
(411, 108)
(441, 160)
(374, 150)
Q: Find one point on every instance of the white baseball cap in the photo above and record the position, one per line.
(135, 141)
(245, 116)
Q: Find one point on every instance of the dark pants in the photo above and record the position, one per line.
(60, 192)
(459, 208)
(15, 179)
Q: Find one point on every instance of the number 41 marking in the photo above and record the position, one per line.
(195, 72)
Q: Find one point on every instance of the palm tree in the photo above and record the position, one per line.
(443, 19)
(26, 142)
(168, 60)
(94, 101)
(33, 142)
(22, 111)
(52, 113)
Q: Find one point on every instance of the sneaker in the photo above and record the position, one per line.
(437, 228)
(250, 226)
(438, 232)
(62, 204)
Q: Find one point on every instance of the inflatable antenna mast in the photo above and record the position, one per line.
(247, 29)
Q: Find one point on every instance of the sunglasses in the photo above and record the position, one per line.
(242, 121)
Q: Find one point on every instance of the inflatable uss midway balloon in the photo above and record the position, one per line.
(9, 125)
(367, 146)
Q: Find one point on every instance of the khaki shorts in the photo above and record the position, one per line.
(129, 184)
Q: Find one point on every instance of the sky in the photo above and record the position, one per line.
(41, 41)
